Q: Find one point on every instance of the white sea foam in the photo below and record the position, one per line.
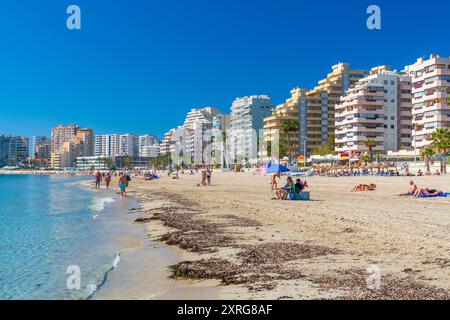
(102, 203)
(91, 289)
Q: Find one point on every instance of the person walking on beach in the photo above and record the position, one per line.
(208, 176)
(122, 185)
(127, 178)
(203, 183)
(107, 179)
(98, 180)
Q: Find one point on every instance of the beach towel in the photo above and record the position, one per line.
(444, 195)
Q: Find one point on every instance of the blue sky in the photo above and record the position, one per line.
(139, 66)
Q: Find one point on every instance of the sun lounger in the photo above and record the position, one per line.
(443, 195)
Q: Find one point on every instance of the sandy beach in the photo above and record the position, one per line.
(232, 235)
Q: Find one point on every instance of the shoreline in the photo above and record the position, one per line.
(144, 269)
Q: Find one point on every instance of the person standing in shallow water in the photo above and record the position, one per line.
(122, 185)
(98, 180)
(107, 179)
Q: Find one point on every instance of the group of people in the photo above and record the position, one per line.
(416, 192)
(206, 176)
(290, 187)
(123, 181)
(428, 173)
(99, 177)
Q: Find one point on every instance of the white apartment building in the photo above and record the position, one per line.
(107, 145)
(166, 142)
(147, 140)
(246, 121)
(129, 145)
(378, 107)
(149, 151)
(431, 102)
(194, 139)
(220, 125)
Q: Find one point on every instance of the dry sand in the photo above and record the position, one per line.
(261, 248)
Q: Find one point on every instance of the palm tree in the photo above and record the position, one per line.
(365, 158)
(288, 127)
(378, 156)
(370, 143)
(128, 161)
(441, 143)
(428, 153)
(224, 147)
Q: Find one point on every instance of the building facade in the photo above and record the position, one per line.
(41, 148)
(129, 145)
(314, 109)
(220, 130)
(431, 92)
(147, 141)
(13, 150)
(107, 145)
(246, 122)
(70, 142)
(378, 108)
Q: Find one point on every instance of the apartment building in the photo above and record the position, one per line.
(70, 142)
(13, 150)
(129, 145)
(246, 122)
(166, 142)
(147, 141)
(41, 148)
(107, 145)
(378, 107)
(431, 97)
(220, 130)
(314, 109)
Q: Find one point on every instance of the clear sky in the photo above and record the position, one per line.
(139, 66)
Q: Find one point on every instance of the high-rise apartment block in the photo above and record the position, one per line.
(431, 97)
(246, 122)
(378, 108)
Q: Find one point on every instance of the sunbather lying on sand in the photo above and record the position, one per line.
(427, 192)
(364, 187)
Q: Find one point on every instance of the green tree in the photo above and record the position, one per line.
(365, 158)
(128, 161)
(441, 143)
(328, 148)
(283, 148)
(428, 153)
(290, 127)
(370, 144)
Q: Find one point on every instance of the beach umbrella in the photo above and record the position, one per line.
(276, 168)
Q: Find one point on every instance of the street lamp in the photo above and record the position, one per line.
(305, 140)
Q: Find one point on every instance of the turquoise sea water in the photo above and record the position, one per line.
(48, 224)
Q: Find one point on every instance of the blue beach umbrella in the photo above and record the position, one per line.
(276, 168)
